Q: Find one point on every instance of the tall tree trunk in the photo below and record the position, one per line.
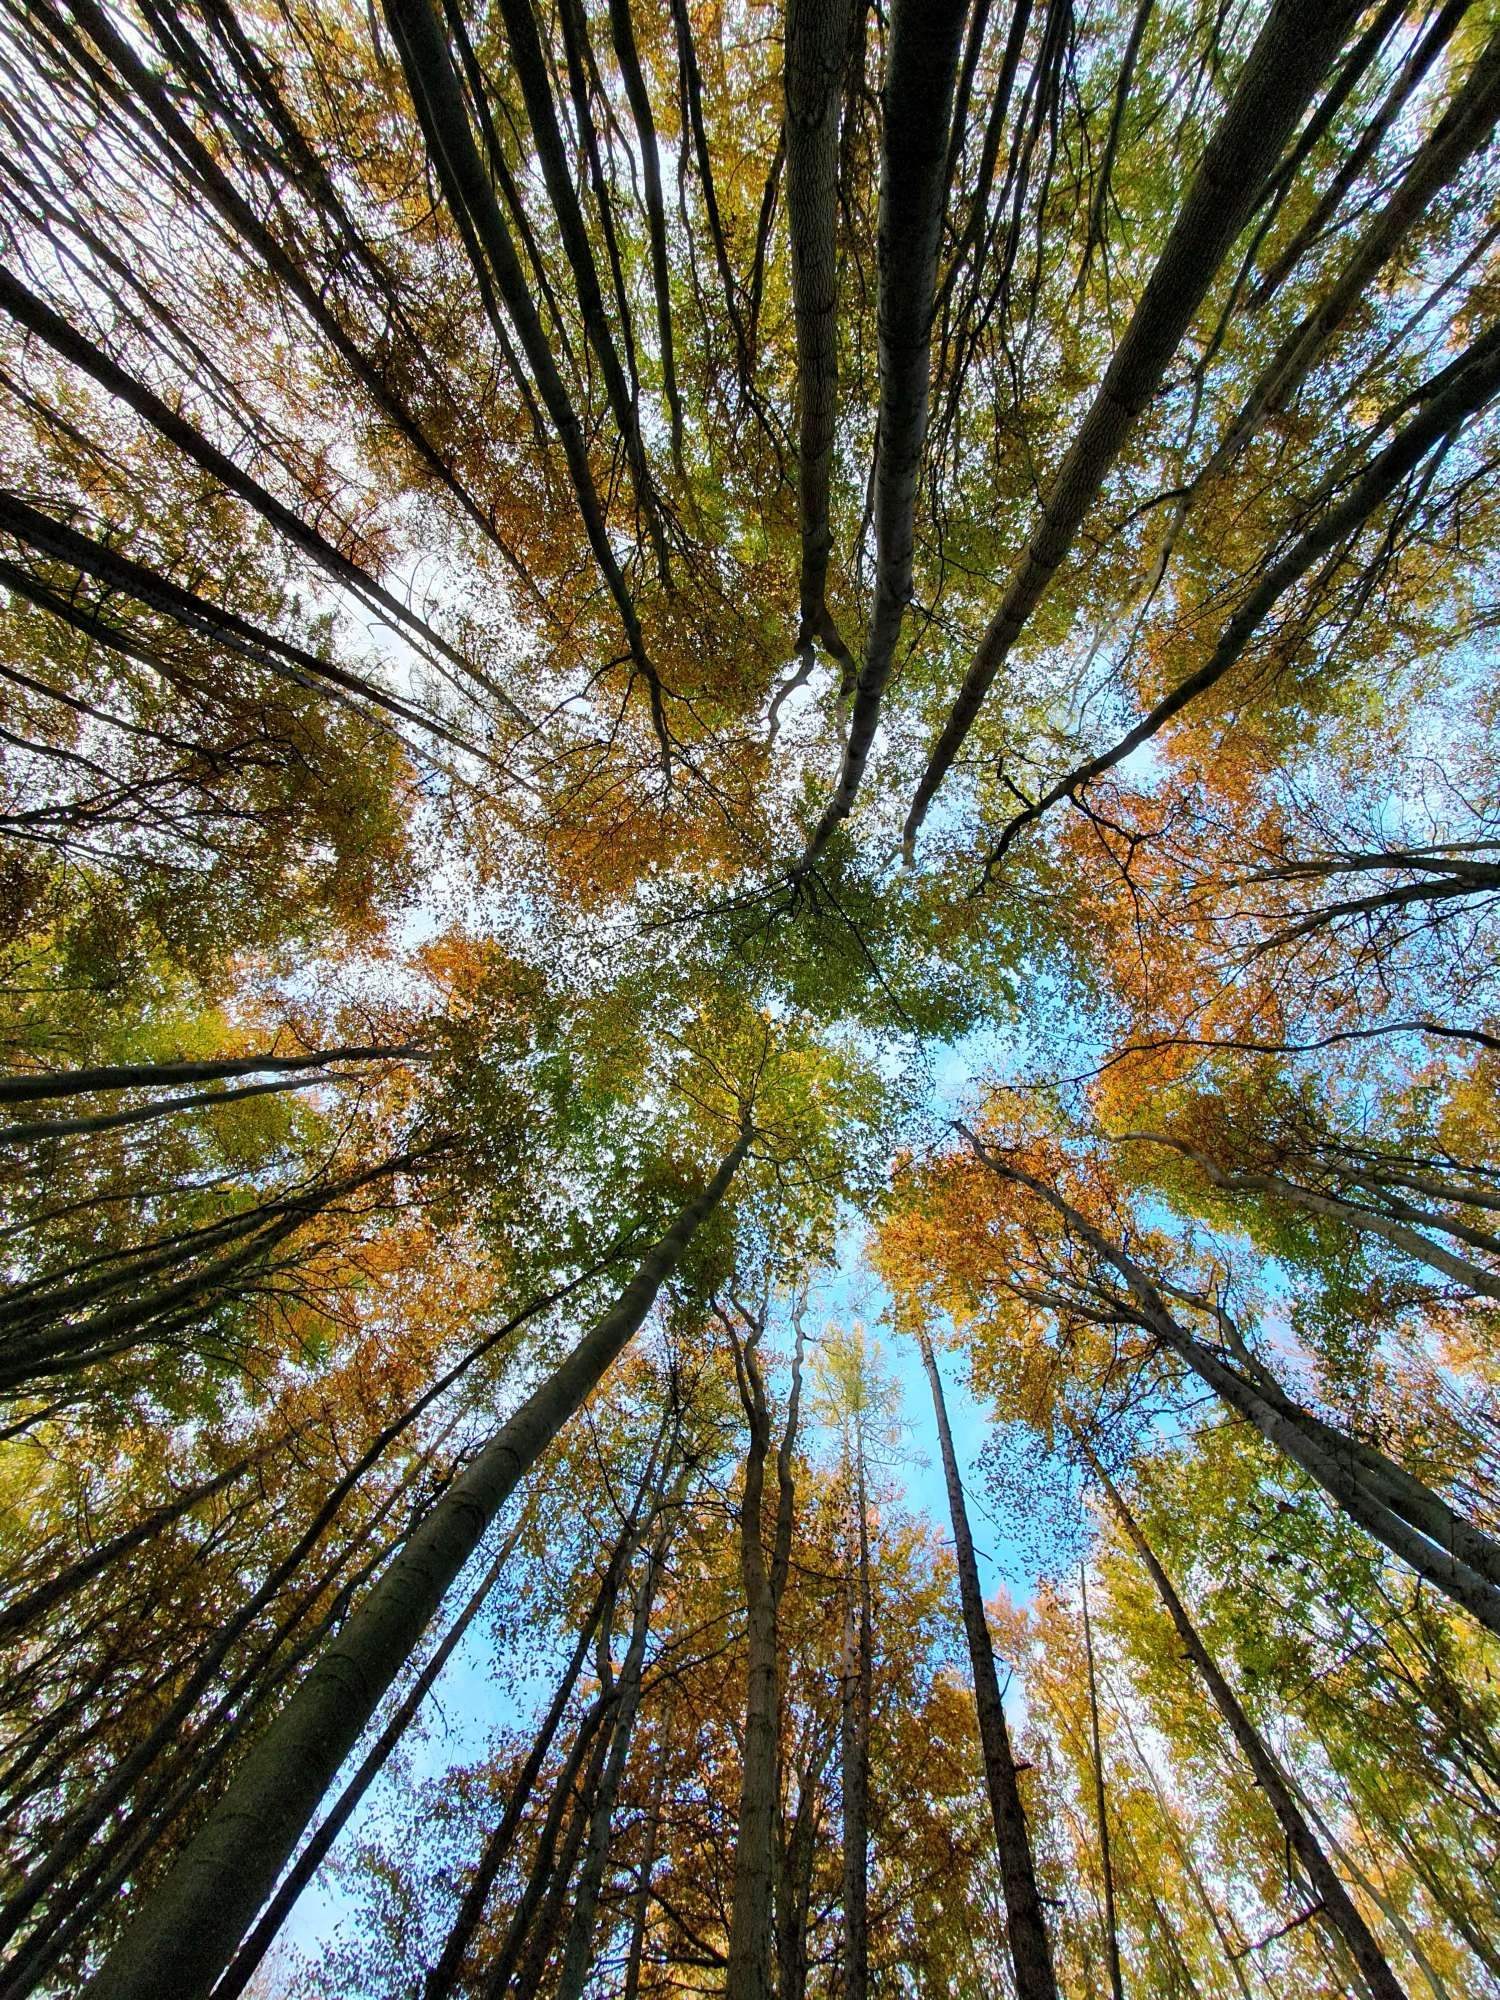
(1415, 1523)
(749, 1959)
(524, 1955)
(198, 1915)
(921, 76)
(817, 35)
(1336, 1905)
(29, 1085)
(445, 1973)
(21, 1613)
(241, 1969)
(1026, 1930)
(641, 1901)
(622, 34)
(1299, 41)
(577, 1952)
(39, 318)
(794, 1879)
(438, 99)
(855, 1740)
(1101, 1805)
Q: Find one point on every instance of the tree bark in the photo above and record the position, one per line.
(577, 1951)
(1295, 48)
(622, 34)
(855, 1741)
(197, 1916)
(444, 1975)
(921, 75)
(1101, 1806)
(530, 67)
(31, 1085)
(1411, 1520)
(1337, 1906)
(749, 1959)
(242, 1968)
(817, 36)
(1446, 402)
(1026, 1930)
(39, 318)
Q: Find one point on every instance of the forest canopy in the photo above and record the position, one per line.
(750, 1095)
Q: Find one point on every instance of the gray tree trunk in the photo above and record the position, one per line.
(197, 1916)
(1295, 48)
(1026, 1930)
(1337, 1906)
(749, 1957)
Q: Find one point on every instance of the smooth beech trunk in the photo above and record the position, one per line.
(1101, 1805)
(200, 1912)
(467, 187)
(854, 1740)
(242, 1969)
(921, 77)
(749, 1960)
(29, 1085)
(817, 36)
(1336, 1906)
(1388, 1502)
(1026, 1930)
(1297, 45)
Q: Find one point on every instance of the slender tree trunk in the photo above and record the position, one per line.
(641, 1902)
(39, 318)
(529, 1942)
(1298, 42)
(222, 627)
(794, 1884)
(1407, 1517)
(435, 91)
(1026, 1930)
(750, 1929)
(924, 46)
(817, 36)
(198, 1915)
(241, 1969)
(1445, 403)
(577, 1952)
(1336, 1905)
(1101, 1805)
(143, 1114)
(622, 34)
(445, 1974)
(855, 1741)
(30, 1085)
(21, 1613)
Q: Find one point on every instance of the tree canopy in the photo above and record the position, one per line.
(722, 721)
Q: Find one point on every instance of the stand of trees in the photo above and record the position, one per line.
(677, 678)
